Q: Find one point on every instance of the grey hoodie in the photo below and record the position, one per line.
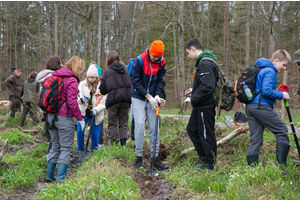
(43, 74)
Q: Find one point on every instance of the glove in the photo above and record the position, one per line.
(190, 90)
(80, 125)
(93, 112)
(85, 99)
(153, 102)
(160, 99)
(285, 96)
(188, 99)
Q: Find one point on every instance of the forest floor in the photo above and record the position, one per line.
(108, 174)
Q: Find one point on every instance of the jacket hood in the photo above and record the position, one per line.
(43, 74)
(206, 53)
(31, 80)
(118, 67)
(263, 62)
(64, 72)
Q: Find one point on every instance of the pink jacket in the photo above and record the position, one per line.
(69, 91)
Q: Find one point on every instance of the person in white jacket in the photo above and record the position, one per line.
(89, 105)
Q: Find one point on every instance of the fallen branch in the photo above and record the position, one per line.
(223, 141)
(3, 147)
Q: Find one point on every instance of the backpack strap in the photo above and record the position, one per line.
(141, 60)
(56, 113)
(221, 79)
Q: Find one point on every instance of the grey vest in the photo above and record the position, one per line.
(30, 94)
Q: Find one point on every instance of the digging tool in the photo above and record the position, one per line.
(152, 173)
(285, 88)
(92, 122)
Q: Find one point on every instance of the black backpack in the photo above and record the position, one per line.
(249, 77)
(240, 117)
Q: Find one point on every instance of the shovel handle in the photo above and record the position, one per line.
(98, 100)
(159, 107)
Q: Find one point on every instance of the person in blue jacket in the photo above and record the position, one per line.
(146, 84)
(260, 112)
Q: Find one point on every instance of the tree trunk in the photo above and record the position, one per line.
(175, 56)
(201, 21)
(99, 33)
(132, 30)
(88, 27)
(181, 52)
(56, 29)
(248, 7)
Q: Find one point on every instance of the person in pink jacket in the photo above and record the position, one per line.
(62, 134)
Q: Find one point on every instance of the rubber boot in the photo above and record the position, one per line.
(282, 151)
(123, 141)
(50, 172)
(61, 172)
(81, 155)
(252, 160)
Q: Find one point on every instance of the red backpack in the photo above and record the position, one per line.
(50, 94)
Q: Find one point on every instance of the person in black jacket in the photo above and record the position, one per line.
(200, 127)
(117, 84)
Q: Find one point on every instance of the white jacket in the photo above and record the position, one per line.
(85, 91)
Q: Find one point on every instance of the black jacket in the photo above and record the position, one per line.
(204, 85)
(116, 83)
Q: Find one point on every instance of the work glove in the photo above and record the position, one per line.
(285, 96)
(85, 99)
(190, 90)
(153, 102)
(160, 99)
(93, 112)
(188, 99)
(80, 125)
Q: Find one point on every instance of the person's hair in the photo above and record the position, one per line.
(193, 43)
(54, 63)
(32, 75)
(20, 70)
(84, 75)
(282, 55)
(93, 86)
(111, 58)
(76, 65)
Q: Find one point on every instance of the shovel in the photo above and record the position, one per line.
(152, 173)
(285, 88)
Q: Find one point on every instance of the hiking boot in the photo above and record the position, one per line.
(138, 162)
(282, 151)
(200, 163)
(159, 165)
(205, 167)
(123, 141)
(252, 160)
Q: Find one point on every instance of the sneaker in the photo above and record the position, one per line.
(159, 165)
(205, 167)
(199, 164)
(138, 162)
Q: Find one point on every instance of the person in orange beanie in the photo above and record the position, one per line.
(148, 71)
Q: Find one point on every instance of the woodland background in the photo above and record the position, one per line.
(238, 32)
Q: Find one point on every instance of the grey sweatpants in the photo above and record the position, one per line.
(259, 118)
(62, 138)
(139, 109)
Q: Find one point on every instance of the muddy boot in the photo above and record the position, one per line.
(282, 151)
(61, 172)
(50, 172)
(252, 160)
(123, 141)
(138, 162)
(81, 155)
(159, 165)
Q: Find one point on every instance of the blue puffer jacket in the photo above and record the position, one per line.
(266, 81)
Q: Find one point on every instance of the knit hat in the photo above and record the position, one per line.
(92, 71)
(157, 48)
(99, 71)
(297, 56)
(12, 69)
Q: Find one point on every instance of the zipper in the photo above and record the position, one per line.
(150, 79)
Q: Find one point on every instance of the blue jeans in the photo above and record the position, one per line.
(94, 135)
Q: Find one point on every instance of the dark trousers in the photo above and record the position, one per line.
(14, 104)
(101, 133)
(118, 114)
(206, 147)
(31, 108)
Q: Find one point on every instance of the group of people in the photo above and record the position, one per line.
(116, 91)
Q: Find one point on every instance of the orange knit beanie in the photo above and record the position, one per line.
(157, 48)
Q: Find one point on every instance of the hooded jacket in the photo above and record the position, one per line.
(69, 92)
(14, 85)
(85, 91)
(43, 74)
(266, 81)
(116, 84)
(205, 81)
(147, 77)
